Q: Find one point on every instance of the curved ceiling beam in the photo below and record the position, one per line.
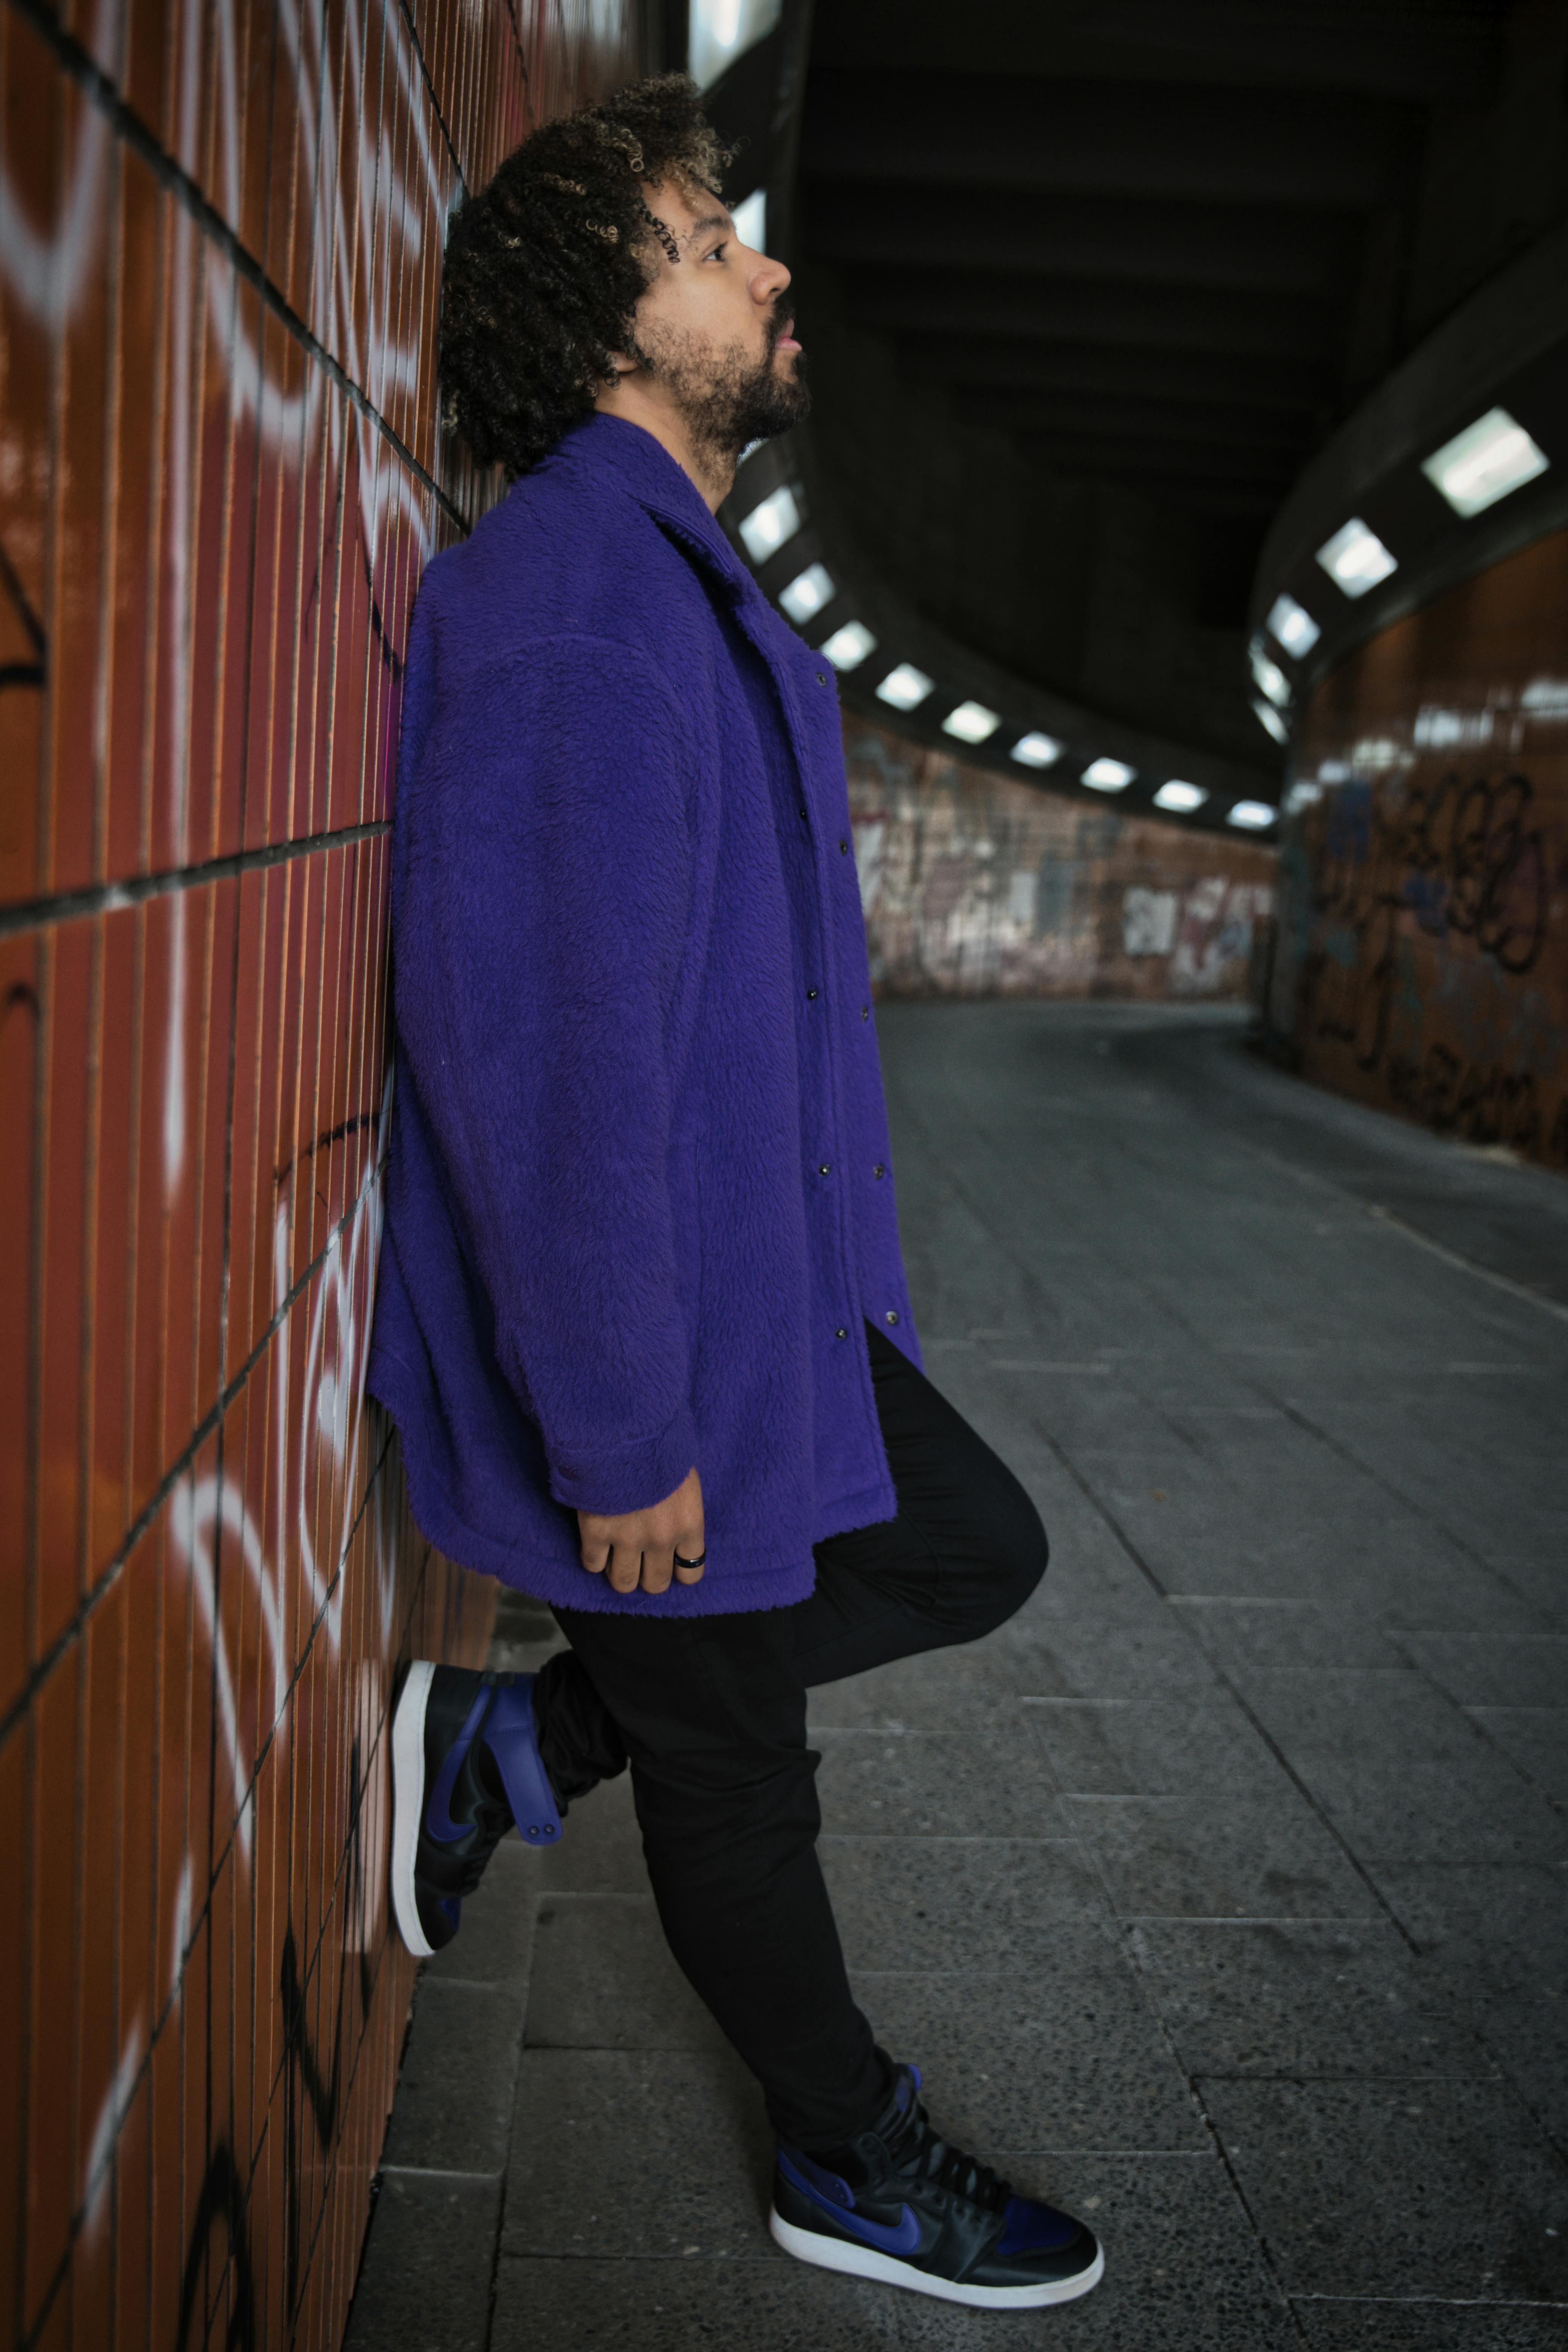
(1497, 368)
(967, 703)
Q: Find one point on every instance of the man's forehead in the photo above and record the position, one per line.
(687, 216)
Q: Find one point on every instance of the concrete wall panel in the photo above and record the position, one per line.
(1423, 952)
(975, 886)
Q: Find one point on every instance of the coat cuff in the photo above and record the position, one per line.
(625, 1477)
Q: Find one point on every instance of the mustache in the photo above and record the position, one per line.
(780, 324)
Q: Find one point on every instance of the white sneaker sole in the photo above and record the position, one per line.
(408, 1801)
(862, 2261)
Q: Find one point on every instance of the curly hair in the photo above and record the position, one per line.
(545, 266)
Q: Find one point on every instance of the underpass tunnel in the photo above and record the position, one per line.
(1187, 452)
(1182, 522)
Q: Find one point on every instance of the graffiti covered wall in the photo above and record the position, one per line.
(1422, 961)
(220, 239)
(975, 886)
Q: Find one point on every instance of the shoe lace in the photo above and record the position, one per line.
(921, 2153)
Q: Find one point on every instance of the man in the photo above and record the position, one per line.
(642, 1320)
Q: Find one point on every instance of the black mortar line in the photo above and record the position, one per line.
(112, 897)
(89, 77)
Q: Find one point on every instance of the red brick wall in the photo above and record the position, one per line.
(976, 886)
(219, 477)
(1423, 954)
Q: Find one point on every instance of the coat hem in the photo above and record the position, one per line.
(865, 1508)
(569, 1585)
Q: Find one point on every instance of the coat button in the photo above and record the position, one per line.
(843, 850)
(879, 1169)
(865, 1013)
(892, 1315)
(803, 811)
(825, 1170)
(812, 992)
(841, 1333)
(822, 678)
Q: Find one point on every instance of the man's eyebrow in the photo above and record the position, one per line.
(710, 220)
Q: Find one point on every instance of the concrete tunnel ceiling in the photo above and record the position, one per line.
(1085, 287)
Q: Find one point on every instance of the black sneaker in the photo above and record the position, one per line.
(465, 1767)
(900, 2205)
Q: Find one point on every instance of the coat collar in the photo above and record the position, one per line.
(610, 449)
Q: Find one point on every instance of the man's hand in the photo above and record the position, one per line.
(642, 1545)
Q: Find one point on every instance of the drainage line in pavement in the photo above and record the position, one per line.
(1468, 1264)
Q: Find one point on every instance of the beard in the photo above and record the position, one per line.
(728, 399)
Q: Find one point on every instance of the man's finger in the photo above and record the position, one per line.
(595, 1554)
(625, 1567)
(656, 1566)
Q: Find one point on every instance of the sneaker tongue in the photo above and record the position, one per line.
(905, 2091)
(899, 2126)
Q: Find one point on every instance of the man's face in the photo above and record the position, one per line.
(714, 331)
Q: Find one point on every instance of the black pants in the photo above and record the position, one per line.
(711, 1712)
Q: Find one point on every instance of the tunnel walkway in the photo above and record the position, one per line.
(1224, 1894)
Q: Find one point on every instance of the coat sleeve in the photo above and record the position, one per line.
(542, 934)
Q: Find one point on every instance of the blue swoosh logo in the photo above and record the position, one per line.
(903, 2240)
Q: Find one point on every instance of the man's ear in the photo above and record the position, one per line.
(630, 361)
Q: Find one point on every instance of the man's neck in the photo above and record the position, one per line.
(711, 474)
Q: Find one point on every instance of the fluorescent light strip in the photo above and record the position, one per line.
(905, 686)
(1267, 716)
(808, 592)
(1484, 463)
(770, 522)
(1355, 559)
(1269, 677)
(972, 723)
(751, 219)
(1037, 750)
(848, 648)
(719, 31)
(1294, 628)
(1179, 797)
(1107, 775)
(1253, 815)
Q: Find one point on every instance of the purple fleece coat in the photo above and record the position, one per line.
(638, 1199)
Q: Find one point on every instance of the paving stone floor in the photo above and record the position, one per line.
(1224, 1894)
